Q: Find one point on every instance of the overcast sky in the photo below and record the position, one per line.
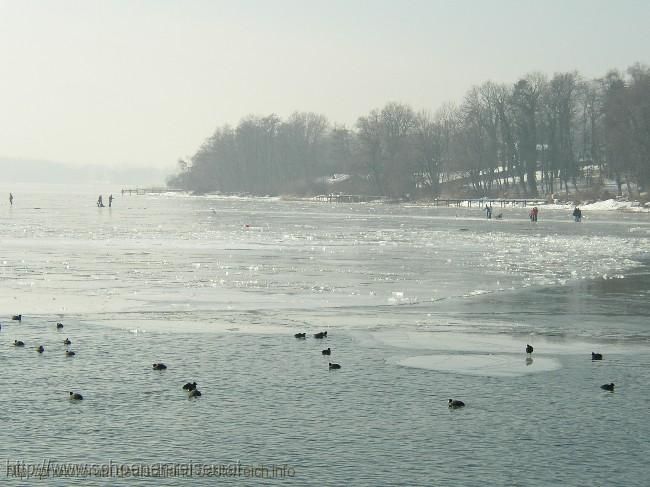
(144, 82)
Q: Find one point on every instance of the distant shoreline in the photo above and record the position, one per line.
(612, 204)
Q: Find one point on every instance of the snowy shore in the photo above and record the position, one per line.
(604, 205)
(601, 205)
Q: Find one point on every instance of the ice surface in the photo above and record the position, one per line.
(494, 365)
(498, 344)
(193, 260)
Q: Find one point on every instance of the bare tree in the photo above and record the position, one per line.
(638, 104)
(370, 136)
(398, 121)
(429, 142)
(526, 101)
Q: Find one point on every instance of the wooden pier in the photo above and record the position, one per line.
(482, 202)
(346, 198)
(153, 190)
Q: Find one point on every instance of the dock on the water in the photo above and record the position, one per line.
(153, 190)
(346, 198)
(481, 202)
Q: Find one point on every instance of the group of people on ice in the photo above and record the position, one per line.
(100, 201)
(532, 214)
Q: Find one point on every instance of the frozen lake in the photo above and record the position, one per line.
(420, 304)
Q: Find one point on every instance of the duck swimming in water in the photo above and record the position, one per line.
(529, 348)
(608, 387)
(40, 349)
(190, 386)
(454, 404)
(67, 341)
(59, 326)
(19, 343)
(17, 317)
(300, 335)
(596, 356)
(327, 351)
(322, 334)
(159, 366)
(70, 353)
(75, 396)
(194, 393)
(334, 366)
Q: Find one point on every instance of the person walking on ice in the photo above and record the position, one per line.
(577, 214)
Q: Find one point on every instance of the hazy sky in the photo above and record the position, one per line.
(142, 83)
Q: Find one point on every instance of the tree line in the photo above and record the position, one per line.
(536, 136)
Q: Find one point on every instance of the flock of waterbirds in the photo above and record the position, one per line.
(193, 391)
(594, 356)
(328, 351)
(455, 404)
(190, 388)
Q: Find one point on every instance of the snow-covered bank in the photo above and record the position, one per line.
(605, 205)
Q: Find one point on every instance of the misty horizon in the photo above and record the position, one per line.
(36, 171)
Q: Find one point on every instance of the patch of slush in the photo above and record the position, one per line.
(36, 302)
(494, 365)
(139, 326)
(479, 343)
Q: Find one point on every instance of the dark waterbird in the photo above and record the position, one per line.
(300, 335)
(190, 386)
(75, 396)
(327, 351)
(159, 366)
(17, 317)
(322, 334)
(59, 326)
(596, 356)
(529, 348)
(608, 387)
(334, 366)
(40, 349)
(70, 353)
(454, 404)
(19, 343)
(194, 393)
(67, 341)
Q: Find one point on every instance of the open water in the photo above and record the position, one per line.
(420, 304)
